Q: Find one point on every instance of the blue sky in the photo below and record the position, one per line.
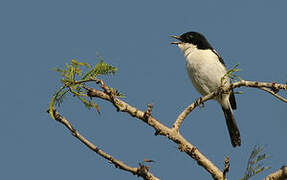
(37, 36)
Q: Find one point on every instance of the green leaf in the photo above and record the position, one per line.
(238, 92)
(59, 97)
(261, 157)
(74, 62)
(101, 68)
(90, 104)
(254, 167)
(53, 101)
(117, 93)
(232, 74)
(73, 78)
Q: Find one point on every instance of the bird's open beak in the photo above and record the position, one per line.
(176, 37)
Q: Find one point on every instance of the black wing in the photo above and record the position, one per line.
(231, 97)
(220, 59)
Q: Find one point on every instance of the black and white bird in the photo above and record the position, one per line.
(205, 69)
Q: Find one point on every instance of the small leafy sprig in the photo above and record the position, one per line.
(255, 165)
(231, 74)
(73, 79)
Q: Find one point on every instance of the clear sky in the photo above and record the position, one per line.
(36, 36)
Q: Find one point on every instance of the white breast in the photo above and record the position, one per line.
(204, 68)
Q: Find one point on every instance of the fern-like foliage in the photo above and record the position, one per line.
(100, 69)
(231, 74)
(73, 79)
(255, 164)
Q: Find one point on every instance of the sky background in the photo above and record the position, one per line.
(37, 36)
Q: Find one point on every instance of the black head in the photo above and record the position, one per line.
(195, 38)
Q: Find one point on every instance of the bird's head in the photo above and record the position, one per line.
(193, 39)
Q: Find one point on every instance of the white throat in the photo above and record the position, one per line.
(186, 48)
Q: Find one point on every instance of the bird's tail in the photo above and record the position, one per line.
(232, 127)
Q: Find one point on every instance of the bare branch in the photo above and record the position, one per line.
(161, 129)
(226, 166)
(183, 115)
(148, 111)
(171, 133)
(141, 171)
(274, 94)
(260, 85)
(281, 174)
(256, 84)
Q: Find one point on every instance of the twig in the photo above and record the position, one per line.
(281, 174)
(256, 84)
(148, 111)
(260, 85)
(274, 94)
(140, 171)
(226, 166)
(176, 125)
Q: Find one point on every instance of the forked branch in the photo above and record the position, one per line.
(160, 129)
(141, 171)
(271, 88)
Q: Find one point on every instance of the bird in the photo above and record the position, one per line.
(206, 69)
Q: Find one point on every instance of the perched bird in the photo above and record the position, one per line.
(205, 69)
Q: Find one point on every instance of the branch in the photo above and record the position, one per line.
(274, 94)
(226, 166)
(172, 133)
(281, 174)
(256, 84)
(183, 115)
(142, 171)
(273, 87)
(176, 137)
